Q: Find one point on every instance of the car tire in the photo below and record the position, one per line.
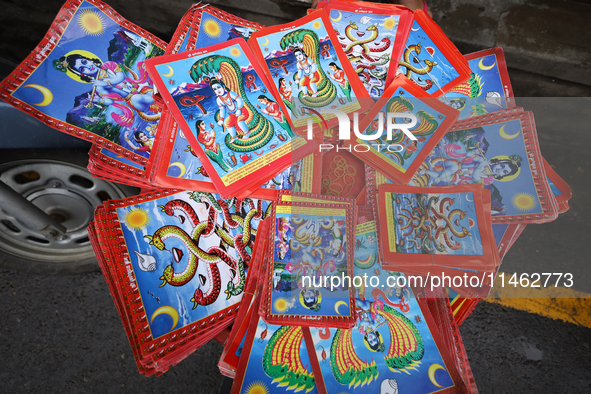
(58, 182)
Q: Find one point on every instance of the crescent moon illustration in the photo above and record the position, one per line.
(467, 199)
(338, 18)
(170, 311)
(417, 29)
(180, 166)
(505, 135)
(432, 369)
(170, 72)
(182, 135)
(266, 41)
(336, 306)
(47, 95)
(483, 67)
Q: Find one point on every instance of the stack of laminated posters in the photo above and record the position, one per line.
(439, 230)
(88, 78)
(176, 264)
(307, 187)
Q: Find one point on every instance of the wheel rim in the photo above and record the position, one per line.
(66, 192)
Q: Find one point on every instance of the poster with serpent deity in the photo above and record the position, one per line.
(241, 135)
(309, 71)
(372, 37)
(430, 59)
(87, 77)
(312, 260)
(394, 347)
(488, 89)
(388, 147)
(202, 26)
(188, 254)
(179, 166)
(274, 359)
(444, 226)
(503, 234)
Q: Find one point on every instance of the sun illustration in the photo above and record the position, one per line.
(523, 201)
(212, 28)
(91, 21)
(257, 387)
(389, 23)
(136, 219)
(235, 52)
(316, 25)
(281, 305)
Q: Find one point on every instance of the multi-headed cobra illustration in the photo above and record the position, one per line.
(429, 226)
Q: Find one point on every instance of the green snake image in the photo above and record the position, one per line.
(261, 129)
(308, 41)
(234, 289)
(282, 361)
(471, 88)
(380, 73)
(366, 263)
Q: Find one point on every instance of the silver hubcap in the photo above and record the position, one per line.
(66, 192)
